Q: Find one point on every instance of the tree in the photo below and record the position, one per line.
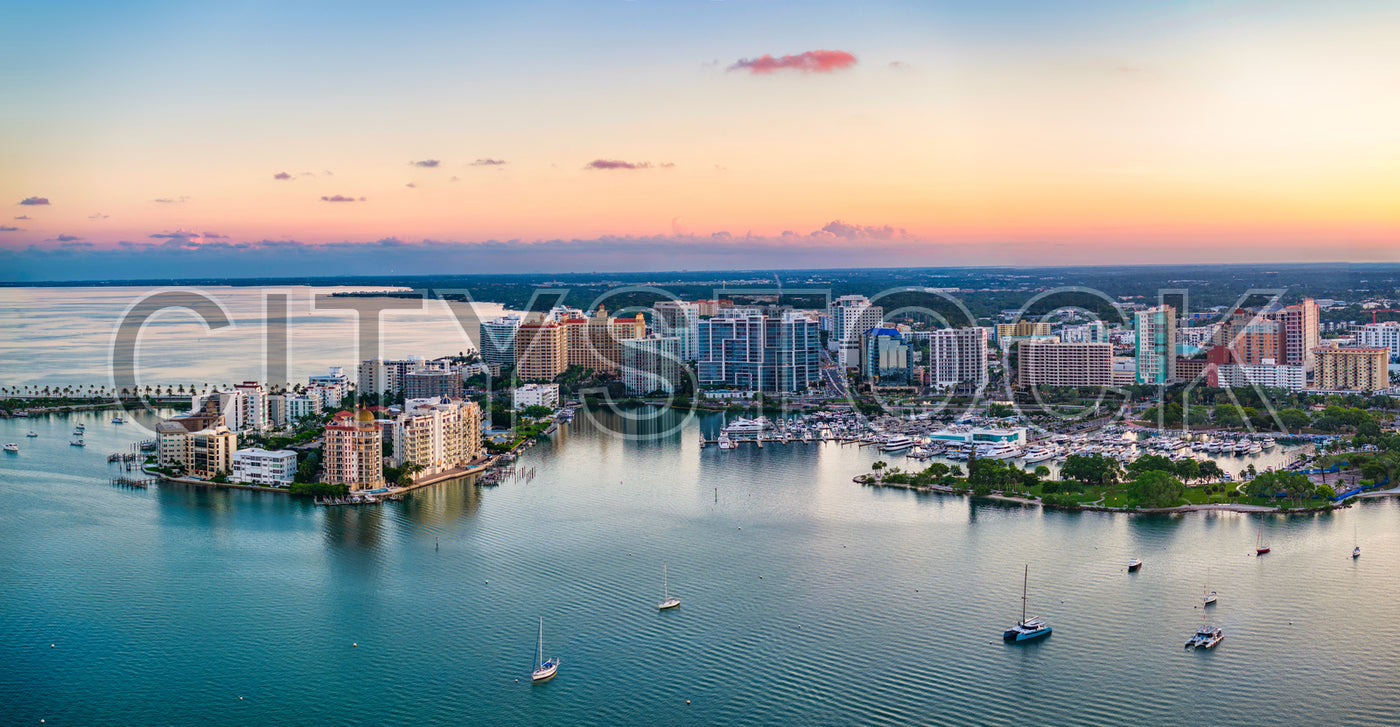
(1041, 471)
(1188, 469)
(1210, 470)
(1294, 419)
(1150, 463)
(1091, 469)
(1156, 488)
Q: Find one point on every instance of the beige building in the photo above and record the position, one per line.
(439, 434)
(1351, 369)
(544, 349)
(1053, 363)
(541, 351)
(1022, 329)
(353, 451)
(202, 453)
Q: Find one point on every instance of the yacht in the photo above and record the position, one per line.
(667, 600)
(896, 444)
(11, 447)
(1268, 443)
(77, 443)
(118, 419)
(1355, 544)
(1208, 598)
(1261, 547)
(32, 434)
(724, 441)
(749, 426)
(545, 668)
(1002, 450)
(1206, 637)
(702, 441)
(81, 426)
(1255, 447)
(1134, 564)
(1038, 454)
(1026, 629)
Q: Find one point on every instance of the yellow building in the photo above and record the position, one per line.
(1351, 369)
(438, 434)
(353, 451)
(544, 349)
(541, 351)
(1022, 329)
(209, 452)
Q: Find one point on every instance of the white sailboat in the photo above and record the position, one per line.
(667, 600)
(1355, 543)
(545, 668)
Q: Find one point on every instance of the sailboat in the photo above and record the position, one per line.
(1208, 597)
(545, 668)
(1356, 545)
(667, 600)
(1027, 628)
(1261, 547)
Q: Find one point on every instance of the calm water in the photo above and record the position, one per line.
(806, 600)
(63, 336)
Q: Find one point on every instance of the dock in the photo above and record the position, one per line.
(132, 482)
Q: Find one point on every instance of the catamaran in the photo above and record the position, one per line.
(1206, 637)
(667, 600)
(1027, 628)
(545, 668)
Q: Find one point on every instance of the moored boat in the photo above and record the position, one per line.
(1206, 637)
(1134, 564)
(545, 668)
(1026, 629)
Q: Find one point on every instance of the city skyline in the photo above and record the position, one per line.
(632, 136)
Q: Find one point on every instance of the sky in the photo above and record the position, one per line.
(182, 139)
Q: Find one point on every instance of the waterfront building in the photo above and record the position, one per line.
(497, 340)
(1380, 335)
(652, 364)
(252, 404)
(352, 452)
(209, 452)
(887, 359)
(981, 435)
(333, 386)
(437, 433)
(535, 395)
(1007, 332)
(1351, 369)
(258, 466)
(1156, 345)
(540, 351)
(1092, 332)
(851, 315)
(384, 377)
(754, 351)
(679, 319)
(1268, 374)
(952, 357)
(1049, 362)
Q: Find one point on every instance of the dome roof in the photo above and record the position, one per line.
(364, 415)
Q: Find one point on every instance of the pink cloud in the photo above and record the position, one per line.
(813, 61)
(341, 198)
(282, 176)
(616, 164)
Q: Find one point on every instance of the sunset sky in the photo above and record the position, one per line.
(153, 138)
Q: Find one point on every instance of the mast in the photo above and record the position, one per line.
(665, 587)
(1025, 582)
(539, 662)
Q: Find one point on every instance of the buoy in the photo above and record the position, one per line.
(687, 701)
(240, 699)
(517, 681)
(356, 644)
(488, 583)
(53, 646)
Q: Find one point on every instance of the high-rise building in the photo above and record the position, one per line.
(333, 386)
(379, 377)
(437, 433)
(754, 351)
(1299, 332)
(651, 364)
(952, 357)
(540, 351)
(1351, 369)
(1258, 340)
(1048, 362)
(209, 452)
(887, 359)
(353, 451)
(1268, 374)
(679, 319)
(851, 315)
(1092, 332)
(1022, 329)
(497, 344)
(1380, 335)
(433, 379)
(1156, 345)
(303, 406)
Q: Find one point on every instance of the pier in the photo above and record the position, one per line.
(133, 482)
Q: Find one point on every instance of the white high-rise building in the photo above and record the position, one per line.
(851, 315)
(679, 319)
(1380, 335)
(953, 357)
(333, 386)
(497, 340)
(260, 467)
(651, 364)
(439, 434)
(378, 376)
(254, 403)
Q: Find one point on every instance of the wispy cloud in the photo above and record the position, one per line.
(171, 200)
(341, 198)
(619, 164)
(32, 201)
(411, 185)
(845, 231)
(98, 216)
(22, 217)
(812, 61)
(282, 176)
(426, 163)
(487, 162)
(65, 238)
(6, 228)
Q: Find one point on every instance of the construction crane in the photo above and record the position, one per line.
(1374, 311)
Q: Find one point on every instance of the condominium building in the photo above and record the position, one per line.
(652, 364)
(1022, 329)
(755, 351)
(1257, 341)
(439, 434)
(379, 377)
(595, 342)
(887, 359)
(1268, 374)
(851, 315)
(352, 453)
(952, 357)
(540, 351)
(303, 406)
(1048, 362)
(1351, 369)
(333, 386)
(679, 319)
(528, 395)
(1380, 335)
(432, 379)
(253, 405)
(259, 466)
(497, 341)
(1156, 345)
(1093, 332)
(1300, 333)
